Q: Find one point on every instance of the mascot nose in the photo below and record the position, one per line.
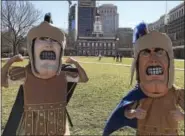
(153, 60)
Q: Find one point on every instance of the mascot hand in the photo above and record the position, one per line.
(71, 60)
(17, 58)
(177, 115)
(17, 73)
(140, 113)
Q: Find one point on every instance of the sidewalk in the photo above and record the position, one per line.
(125, 65)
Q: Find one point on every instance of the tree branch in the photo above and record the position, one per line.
(17, 18)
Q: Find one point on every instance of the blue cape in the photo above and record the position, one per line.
(117, 119)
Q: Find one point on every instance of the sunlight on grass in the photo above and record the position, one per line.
(92, 102)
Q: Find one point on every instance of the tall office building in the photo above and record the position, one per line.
(87, 3)
(73, 23)
(86, 17)
(109, 18)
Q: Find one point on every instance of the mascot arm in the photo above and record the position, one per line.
(17, 73)
(130, 111)
(6, 67)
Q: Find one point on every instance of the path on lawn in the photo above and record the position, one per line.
(125, 65)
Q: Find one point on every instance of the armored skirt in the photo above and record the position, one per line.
(44, 106)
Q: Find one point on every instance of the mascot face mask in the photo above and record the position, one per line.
(153, 71)
(46, 45)
(154, 64)
(47, 56)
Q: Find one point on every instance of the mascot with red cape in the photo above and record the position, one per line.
(153, 106)
(40, 106)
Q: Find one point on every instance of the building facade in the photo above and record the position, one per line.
(176, 29)
(97, 43)
(159, 25)
(173, 25)
(72, 29)
(124, 44)
(93, 46)
(109, 18)
(86, 16)
(85, 20)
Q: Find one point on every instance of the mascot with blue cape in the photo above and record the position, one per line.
(153, 106)
(41, 102)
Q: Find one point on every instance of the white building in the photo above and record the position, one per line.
(97, 31)
(109, 19)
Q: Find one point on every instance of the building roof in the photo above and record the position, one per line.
(108, 5)
(176, 8)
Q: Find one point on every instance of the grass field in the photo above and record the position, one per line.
(93, 102)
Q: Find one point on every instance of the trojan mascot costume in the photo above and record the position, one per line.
(46, 89)
(151, 107)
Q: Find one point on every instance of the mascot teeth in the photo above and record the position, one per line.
(47, 55)
(154, 70)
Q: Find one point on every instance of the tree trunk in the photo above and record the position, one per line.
(15, 51)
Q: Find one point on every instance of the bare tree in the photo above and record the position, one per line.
(17, 18)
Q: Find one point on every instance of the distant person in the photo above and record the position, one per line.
(99, 56)
(117, 57)
(121, 56)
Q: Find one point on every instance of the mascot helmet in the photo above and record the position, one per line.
(143, 39)
(45, 29)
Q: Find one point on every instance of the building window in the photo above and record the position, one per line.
(80, 43)
(179, 13)
(84, 52)
(109, 45)
(88, 44)
(100, 44)
(113, 45)
(182, 12)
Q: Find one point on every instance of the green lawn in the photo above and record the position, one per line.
(93, 102)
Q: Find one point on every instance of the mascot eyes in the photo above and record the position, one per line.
(145, 53)
(160, 52)
(47, 39)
